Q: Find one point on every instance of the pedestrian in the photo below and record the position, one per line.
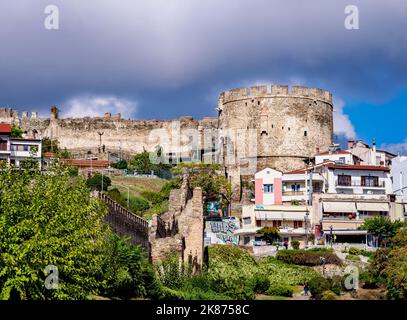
(306, 289)
(286, 244)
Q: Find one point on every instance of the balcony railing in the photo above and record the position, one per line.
(380, 184)
(293, 193)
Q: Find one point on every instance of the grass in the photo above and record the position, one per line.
(136, 186)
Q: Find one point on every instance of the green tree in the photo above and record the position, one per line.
(97, 182)
(269, 234)
(16, 132)
(142, 163)
(49, 145)
(48, 220)
(381, 226)
(122, 164)
(209, 177)
(64, 154)
(126, 270)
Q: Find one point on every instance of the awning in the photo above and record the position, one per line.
(372, 206)
(346, 207)
(346, 232)
(245, 231)
(279, 215)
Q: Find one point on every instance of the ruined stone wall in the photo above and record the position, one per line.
(132, 136)
(180, 230)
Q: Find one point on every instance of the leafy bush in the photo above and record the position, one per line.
(171, 294)
(352, 257)
(280, 290)
(295, 244)
(308, 257)
(116, 196)
(153, 197)
(318, 285)
(283, 273)
(328, 295)
(127, 272)
(354, 251)
(138, 204)
(95, 182)
(336, 284)
(122, 164)
(368, 280)
(261, 283)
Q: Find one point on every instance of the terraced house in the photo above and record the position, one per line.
(16, 151)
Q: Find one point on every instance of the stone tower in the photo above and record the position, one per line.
(288, 126)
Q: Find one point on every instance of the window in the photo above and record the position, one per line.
(341, 160)
(247, 220)
(276, 223)
(295, 187)
(369, 181)
(267, 188)
(3, 145)
(297, 224)
(305, 133)
(246, 240)
(344, 180)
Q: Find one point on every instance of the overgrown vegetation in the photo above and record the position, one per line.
(389, 267)
(311, 257)
(232, 273)
(50, 220)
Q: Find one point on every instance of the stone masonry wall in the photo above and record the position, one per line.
(180, 230)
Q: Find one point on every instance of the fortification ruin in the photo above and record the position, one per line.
(277, 127)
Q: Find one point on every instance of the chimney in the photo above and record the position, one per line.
(351, 143)
(374, 145)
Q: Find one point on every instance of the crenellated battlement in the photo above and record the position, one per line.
(265, 91)
(8, 114)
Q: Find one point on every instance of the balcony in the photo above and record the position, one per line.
(380, 184)
(293, 193)
(4, 148)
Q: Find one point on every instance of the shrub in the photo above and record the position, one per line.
(352, 257)
(368, 280)
(354, 251)
(95, 182)
(122, 164)
(308, 257)
(171, 294)
(280, 290)
(336, 283)
(261, 283)
(153, 197)
(138, 204)
(116, 195)
(318, 285)
(328, 295)
(295, 244)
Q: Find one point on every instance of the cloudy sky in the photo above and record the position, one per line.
(167, 58)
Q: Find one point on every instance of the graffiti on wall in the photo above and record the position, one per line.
(224, 229)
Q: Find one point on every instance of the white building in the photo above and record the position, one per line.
(17, 150)
(399, 176)
(333, 194)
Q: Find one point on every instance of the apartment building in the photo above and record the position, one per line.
(15, 151)
(331, 198)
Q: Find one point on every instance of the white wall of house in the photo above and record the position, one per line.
(337, 157)
(399, 176)
(385, 186)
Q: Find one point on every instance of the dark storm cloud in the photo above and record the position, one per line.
(173, 57)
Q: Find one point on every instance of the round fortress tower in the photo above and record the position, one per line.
(290, 125)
